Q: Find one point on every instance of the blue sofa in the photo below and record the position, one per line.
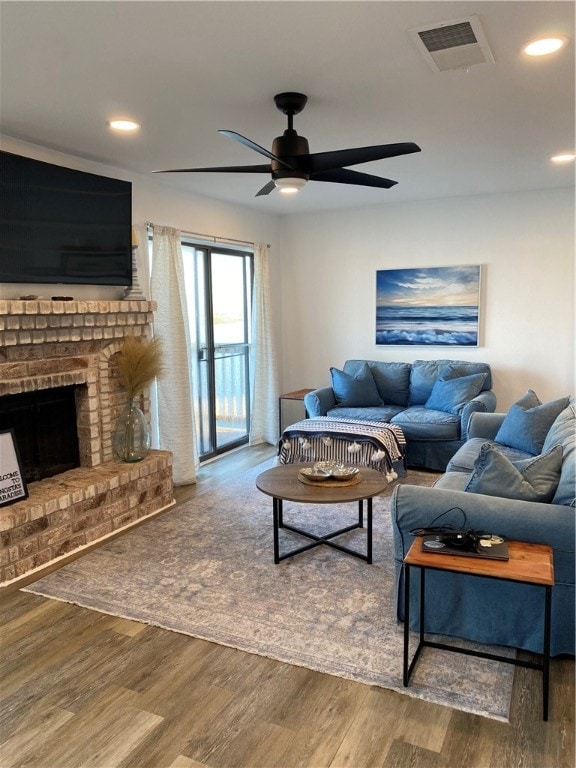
(430, 400)
(479, 484)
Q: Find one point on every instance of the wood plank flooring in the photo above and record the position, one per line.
(79, 689)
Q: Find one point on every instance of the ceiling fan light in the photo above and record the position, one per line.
(289, 185)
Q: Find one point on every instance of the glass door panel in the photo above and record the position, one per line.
(230, 324)
(221, 283)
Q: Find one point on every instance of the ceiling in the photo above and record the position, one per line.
(186, 69)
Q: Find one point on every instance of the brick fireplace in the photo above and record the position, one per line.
(52, 344)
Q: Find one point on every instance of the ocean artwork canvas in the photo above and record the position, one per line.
(430, 306)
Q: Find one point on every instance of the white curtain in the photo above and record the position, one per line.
(263, 363)
(174, 390)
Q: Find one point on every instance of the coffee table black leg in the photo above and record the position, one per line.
(369, 533)
(277, 516)
(546, 649)
(278, 519)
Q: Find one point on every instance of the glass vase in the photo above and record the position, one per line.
(132, 438)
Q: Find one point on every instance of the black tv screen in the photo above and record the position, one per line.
(59, 225)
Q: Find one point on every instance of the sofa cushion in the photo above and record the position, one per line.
(425, 372)
(527, 422)
(456, 368)
(420, 423)
(355, 391)
(452, 394)
(422, 379)
(452, 481)
(563, 432)
(533, 479)
(464, 458)
(383, 413)
(392, 379)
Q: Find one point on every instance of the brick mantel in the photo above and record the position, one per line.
(41, 321)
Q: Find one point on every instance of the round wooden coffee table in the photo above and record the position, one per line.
(282, 484)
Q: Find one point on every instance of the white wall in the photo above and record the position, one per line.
(524, 241)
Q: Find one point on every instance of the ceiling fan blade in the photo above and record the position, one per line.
(266, 189)
(224, 168)
(256, 147)
(345, 176)
(341, 158)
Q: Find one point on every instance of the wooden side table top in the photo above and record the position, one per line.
(282, 483)
(298, 394)
(528, 563)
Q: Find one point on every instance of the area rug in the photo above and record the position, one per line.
(205, 569)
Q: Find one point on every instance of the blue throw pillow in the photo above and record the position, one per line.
(534, 479)
(526, 424)
(451, 395)
(563, 432)
(357, 391)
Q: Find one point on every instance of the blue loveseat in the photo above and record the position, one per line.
(501, 482)
(430, 400)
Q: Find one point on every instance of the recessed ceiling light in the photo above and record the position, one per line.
(544, 46)
(567, 157)
(124, 125)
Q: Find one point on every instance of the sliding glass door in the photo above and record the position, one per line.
(219, 283)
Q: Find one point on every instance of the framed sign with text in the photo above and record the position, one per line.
(12, 485)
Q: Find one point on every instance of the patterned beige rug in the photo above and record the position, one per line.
(205, 569)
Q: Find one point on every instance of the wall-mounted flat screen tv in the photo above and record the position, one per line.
(59, 225)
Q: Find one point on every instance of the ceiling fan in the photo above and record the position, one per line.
(292, 165)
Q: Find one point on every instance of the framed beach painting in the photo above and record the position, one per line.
(429, 306)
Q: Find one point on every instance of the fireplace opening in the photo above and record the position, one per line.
(44, 424)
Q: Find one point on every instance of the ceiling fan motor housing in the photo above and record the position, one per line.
(288, 147)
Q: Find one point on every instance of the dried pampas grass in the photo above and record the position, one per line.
(140, 361)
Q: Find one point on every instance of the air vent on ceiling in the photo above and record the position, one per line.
(457, 44)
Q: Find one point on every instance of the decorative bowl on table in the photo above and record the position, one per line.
(329, 470)
(344, 473)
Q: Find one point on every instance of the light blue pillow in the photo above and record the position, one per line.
(534, 479)
(563, 432)
(451, 395)
(358, 391)
(526, 424)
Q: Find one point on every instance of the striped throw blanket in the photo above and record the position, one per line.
(366, 443)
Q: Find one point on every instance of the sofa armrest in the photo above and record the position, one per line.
(485, 425)
(319, 402)
(553, 524)
(485, 402)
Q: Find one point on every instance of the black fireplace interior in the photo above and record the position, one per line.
(44, 424)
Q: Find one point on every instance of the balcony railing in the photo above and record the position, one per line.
(231, 402)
